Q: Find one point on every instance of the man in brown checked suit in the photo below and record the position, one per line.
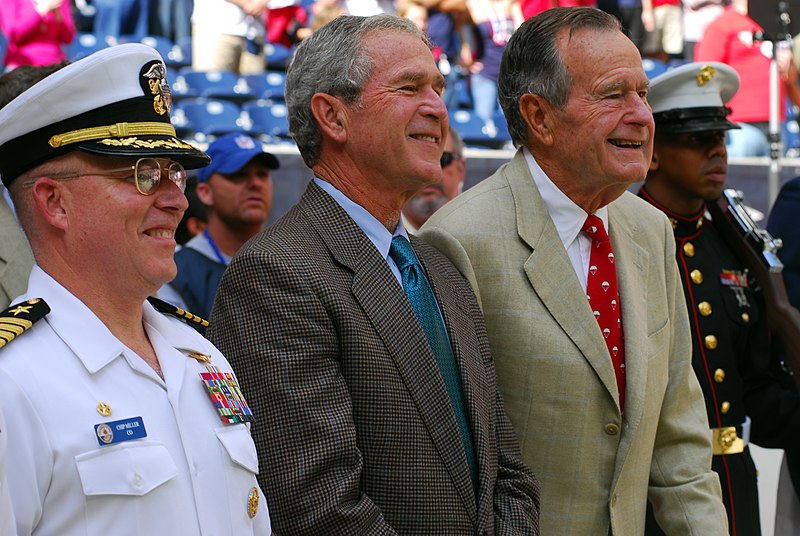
(362, 350)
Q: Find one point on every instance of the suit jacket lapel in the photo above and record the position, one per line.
(552, 275)
(464, 341)
(633, 260)
(385, 305)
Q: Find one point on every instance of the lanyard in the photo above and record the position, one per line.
(214, 247)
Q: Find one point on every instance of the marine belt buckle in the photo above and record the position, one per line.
(727, 441)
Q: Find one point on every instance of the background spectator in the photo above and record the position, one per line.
(494, 21)
(228, 36)
(697, 15)
(665, 40)
(236, 189)
(36, 30)
(732, 39)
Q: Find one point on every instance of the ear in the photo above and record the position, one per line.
(654, 161)
(205, 194)
(50, 202)
(538, 115)
(329, 112)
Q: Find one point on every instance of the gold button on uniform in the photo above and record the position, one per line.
(612, 429)
(719, 375)
(725, 407)
(704, 307)
(711, 342)
(746, 318)
(688, 249)
(697, 277)
(103, 409)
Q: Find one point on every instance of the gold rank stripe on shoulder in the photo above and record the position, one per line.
(167, 308)
(20, 317)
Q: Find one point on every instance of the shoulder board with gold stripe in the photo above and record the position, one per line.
(20, 317)
(167, 308)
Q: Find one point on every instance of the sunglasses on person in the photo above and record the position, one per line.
(447, 158)
(147, 174)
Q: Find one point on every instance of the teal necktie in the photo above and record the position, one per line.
(420, 295)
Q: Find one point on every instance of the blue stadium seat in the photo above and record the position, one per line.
(269, 85)
(202, 119)
(653, 67)
(83, 45)
(171, 52)
(477, 132)
(278, 56)
(212, 85)
(268, 119)
(463, 95)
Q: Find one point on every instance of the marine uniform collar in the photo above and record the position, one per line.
(682, 226)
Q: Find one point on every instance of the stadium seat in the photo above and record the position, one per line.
(278, 56)
(201, 119)
(269, 85)
(212, 85)
(653, 67)
(475, 131)
(268, 119)
(171, 52)
(83, 45)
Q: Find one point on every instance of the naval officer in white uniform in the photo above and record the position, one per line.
(120, 418)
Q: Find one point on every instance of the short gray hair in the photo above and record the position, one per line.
(333, 61)
(532, 64)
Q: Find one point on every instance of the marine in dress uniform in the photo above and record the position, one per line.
(121, 419)
(730, 341)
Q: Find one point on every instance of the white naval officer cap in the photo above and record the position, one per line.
(692, 98)
(115, 102)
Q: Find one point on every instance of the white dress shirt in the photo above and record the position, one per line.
(568, 219)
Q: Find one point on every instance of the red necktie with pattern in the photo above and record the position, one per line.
(601, 289)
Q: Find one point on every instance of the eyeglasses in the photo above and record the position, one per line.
(448, 158)
(147, 174)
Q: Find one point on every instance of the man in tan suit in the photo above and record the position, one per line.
(574, 95)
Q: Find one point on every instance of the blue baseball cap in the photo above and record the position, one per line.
(232, 152)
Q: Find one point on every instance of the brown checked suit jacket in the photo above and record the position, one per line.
(597, 469)
(354, 431)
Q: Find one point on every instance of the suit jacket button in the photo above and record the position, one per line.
(612, 429)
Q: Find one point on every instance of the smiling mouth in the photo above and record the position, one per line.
(160, 233)
(432, 139)
(625, 144)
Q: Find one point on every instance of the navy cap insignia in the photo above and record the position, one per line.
(20, 317)
(154, 82)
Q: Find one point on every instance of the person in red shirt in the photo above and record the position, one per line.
(730, 39)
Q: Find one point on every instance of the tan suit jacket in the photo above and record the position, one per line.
(16, 259)
(596, 468)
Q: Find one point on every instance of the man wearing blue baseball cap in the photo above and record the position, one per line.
(237, 190)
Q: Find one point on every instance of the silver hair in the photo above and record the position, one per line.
(333, 61)
(532, 64)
